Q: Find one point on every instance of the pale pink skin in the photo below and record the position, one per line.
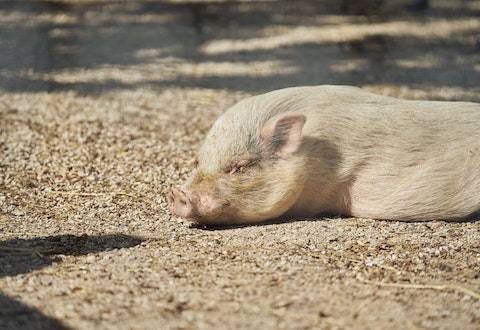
(303, 151)
(279, 138)
(192, 205)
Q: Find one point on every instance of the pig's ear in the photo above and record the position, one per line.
(282, 135)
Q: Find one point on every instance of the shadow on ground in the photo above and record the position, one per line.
(20, 256)
(278, 221)
(95, 37)
(15, 315)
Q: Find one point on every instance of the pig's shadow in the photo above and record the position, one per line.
(21, 256)
(320, 217)
(275, 221)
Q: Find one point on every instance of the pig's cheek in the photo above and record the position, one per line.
(226, 186)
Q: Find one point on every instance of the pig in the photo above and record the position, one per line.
(300, 152)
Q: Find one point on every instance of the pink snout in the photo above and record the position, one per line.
(181, 204)
(201, 207)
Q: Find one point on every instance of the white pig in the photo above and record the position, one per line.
(304, 151)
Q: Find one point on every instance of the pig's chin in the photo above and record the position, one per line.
(224, 218)
(228, 216)
(204, 213)
(232, 216)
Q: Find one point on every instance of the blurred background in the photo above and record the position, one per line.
(413, 48)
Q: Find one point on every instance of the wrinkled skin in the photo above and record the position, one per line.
(337, 149)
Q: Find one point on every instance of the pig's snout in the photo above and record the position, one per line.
(197, 206)
(181, 204)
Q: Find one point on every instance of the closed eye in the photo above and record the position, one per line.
(240, 166)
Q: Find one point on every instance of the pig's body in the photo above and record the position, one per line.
(359, 154)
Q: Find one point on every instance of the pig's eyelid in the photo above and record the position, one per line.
(239, 166)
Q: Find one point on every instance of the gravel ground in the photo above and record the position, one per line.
(102, 107)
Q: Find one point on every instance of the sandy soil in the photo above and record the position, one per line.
(102, 107)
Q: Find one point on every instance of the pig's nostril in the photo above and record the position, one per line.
(182, 205)
(180, 198)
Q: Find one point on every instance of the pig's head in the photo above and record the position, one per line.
(249, 169)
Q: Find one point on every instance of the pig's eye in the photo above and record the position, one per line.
(234, 170)
(195, 162)
(239, 166)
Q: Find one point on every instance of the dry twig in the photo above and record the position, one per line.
(439, 287)
(89, 194)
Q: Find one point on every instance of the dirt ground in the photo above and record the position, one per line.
(102, 107)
